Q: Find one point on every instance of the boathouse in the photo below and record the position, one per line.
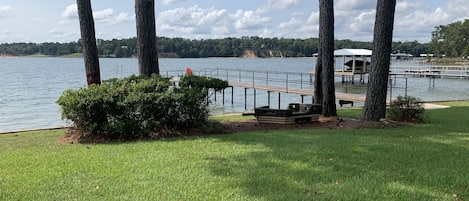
(351, 62)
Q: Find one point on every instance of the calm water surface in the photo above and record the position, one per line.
(30, 86)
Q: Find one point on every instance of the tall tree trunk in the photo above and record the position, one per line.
(88, 38)
(318, 79)
(146, 37)
(375, 103)
(326, 38)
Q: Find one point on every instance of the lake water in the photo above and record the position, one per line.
(30, 86)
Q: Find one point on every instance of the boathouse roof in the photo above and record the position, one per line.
(350, 52)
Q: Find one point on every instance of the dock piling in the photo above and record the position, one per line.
(278, 100)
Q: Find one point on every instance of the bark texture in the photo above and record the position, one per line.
(88, 38)
(318, 78)
(375, 103)
(146, 37)
(326, 38)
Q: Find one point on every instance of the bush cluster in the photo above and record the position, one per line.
(406, 109)
(135, 107)
(202, 82)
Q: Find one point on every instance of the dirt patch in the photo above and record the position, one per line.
(248, 54)
(229, 127)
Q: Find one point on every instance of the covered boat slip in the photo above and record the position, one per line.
(349, 63)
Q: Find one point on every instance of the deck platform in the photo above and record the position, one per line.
(287, 120)
(304, 92)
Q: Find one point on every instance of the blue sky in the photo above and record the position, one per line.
(56, 20)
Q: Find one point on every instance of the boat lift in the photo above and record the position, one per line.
(357, 64)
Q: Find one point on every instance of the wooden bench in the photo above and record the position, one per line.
(344, 102)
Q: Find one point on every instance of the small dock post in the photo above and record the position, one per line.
(223, 97)
(245, 99)
(268, 98)
(432, 78)
(232, 95)
(278, 100)
(254, 98)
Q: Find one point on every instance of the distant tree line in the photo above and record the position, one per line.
(451, 40)
(202, 48)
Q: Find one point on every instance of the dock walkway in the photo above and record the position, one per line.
(302, 92)
(273, 81)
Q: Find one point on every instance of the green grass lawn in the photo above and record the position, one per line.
(418, 162)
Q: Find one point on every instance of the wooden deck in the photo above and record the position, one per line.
(287, 120)
(304, 92)
(342, 73)
(346, 75)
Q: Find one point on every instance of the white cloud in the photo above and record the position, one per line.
(298, 26)
(277, 5)
(312, 24)
(195, 20)
(354, 19)
(5, 35)
(250, 20)
(167, 2)
(123, 17)
(313, 18)
(101, 16)
(71, 12)
(105, 34)
(291, 24)
(56, 31)
(58, 34)
(181, 19)
(404, 6)
(455, 10)
(363, 22)
(105, 15)
(355, 5)
(282, 4)
(416, 21)
(5, 11)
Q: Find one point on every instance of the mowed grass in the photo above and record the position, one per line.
(416, 162)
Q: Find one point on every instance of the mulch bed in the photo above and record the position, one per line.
(230, 127)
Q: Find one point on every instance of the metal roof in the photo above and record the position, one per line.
(350, 52)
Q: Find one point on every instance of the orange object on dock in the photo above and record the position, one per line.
(188, 71)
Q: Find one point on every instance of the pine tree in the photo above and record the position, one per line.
(146, 37)
(326, 41)
(375, 103)
(88, 38)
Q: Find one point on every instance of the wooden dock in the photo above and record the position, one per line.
(302, 92)
(274, 82)
(345, 75)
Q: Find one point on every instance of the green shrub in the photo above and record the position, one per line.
(134, 107)
(407, 109)
(202, 82)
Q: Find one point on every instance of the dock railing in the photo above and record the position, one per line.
(287, 80)
(452, 71)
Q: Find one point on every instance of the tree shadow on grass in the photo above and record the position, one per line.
(423, 162)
